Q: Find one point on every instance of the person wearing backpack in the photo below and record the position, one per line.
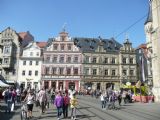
(66, 102)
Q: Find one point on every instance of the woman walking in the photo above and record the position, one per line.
(73, 102)
(30, 100)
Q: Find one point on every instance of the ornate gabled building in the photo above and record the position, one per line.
(30, 63)
(10, 50)
(106, 63)
(61, 67)
(152, 30)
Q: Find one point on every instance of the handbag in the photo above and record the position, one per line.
(12, 107)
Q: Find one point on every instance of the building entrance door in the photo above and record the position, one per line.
(98, 86)
(53, 85)
(60, 86)
(71, 85)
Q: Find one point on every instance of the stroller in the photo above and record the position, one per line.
(23, 112)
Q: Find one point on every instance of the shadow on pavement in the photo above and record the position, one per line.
(6, 115)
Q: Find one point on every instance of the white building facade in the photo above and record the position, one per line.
(29, 73)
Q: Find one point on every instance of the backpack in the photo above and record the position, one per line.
(66, 100)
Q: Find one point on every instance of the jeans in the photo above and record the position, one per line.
(65, 111)
(9, 104)
(59, 111)
(103, 104)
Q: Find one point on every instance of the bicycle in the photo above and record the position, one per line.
(24, 112)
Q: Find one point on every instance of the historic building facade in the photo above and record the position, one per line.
(62, 60)
(106, 63)
(152, 30)
(11, 44)
(30, 63)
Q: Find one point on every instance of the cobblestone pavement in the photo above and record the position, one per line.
(90, 109)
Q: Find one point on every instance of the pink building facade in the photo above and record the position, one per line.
(61, 68)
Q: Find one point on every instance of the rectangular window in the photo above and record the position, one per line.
(36, 73)
(124, 60)
(30, 73)
(55, 46)
(69, 47)
(131, 72)
(69, 59)
(106, 60)
(131, 60)
(68, 71)
(47, 70)
(24, 62)
(61, 71)
(94, 60)
(6, 60)
(55, 59)
(54, 71)
(87, 71)
(6, 49)
(87, 59)
(30, 62)
(61, 59)
(76, 59)
(113, 61)
(62, 47)
(113, 72)
(106, 72)
(31, 53)
(37, 62)
(37, 53)
(124, 72)
(94, 71)
(23, 73)
(75, 71)
(48, 59)
(14, 72)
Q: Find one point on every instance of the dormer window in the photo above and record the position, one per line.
(62, 38)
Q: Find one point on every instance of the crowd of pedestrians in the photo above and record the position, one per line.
(61, 100)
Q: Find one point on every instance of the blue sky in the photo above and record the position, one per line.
(83, 18)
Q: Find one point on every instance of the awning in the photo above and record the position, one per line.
(2, 84)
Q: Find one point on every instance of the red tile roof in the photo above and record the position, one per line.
(143, 46)
(41, 44)
(22, 34)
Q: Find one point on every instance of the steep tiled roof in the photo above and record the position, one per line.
(22, 34)
(90, 44)
(41, 44)
(143, 46)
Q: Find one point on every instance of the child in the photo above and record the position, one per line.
(73, 103)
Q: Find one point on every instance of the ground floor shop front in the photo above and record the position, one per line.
(61, 84)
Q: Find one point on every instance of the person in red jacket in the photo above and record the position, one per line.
(66, 102)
